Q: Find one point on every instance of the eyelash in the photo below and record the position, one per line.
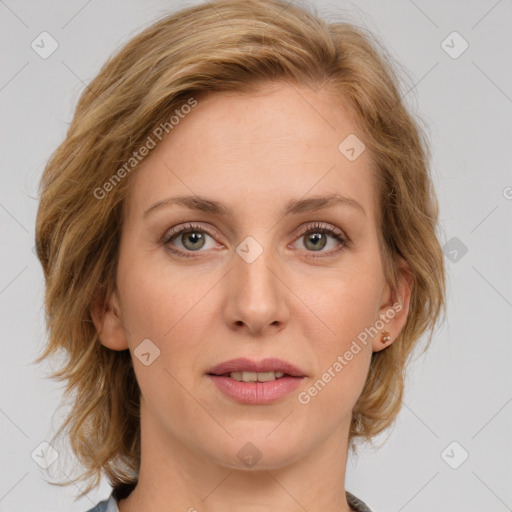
(316, 228)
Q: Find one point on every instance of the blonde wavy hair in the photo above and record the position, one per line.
(224, 45)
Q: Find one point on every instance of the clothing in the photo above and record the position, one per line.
(357, 504)
(110, 504)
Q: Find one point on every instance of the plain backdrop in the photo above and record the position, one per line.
(450, 449)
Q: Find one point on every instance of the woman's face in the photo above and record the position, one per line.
(247, 280)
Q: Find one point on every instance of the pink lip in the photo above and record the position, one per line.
(256, 392)
(247, 365)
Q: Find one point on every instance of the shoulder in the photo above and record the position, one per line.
(108, 505)
(357, 504)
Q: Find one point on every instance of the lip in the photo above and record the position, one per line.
(248, 365)
(256, 392)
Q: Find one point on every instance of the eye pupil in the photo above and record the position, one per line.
(316, 239)
(194, 237)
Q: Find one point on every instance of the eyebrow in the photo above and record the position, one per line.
(292, 207)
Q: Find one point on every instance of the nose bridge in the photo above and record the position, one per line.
(254, 264)
(255, 286)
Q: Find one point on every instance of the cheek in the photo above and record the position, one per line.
(169, 312)
(172, 309)
(346, 308)
(156, 295)
(342, 304)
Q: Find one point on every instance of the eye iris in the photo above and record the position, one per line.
(316, 238)
(194, 237)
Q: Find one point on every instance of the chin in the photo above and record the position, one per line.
(254, 453)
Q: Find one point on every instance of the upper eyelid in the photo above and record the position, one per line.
(189, 226)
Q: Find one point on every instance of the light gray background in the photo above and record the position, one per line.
(459, 391)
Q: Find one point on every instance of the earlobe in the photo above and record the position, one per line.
(395, 309)
(107, 320)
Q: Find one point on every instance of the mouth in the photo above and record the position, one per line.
(246, 376)
(256, 383)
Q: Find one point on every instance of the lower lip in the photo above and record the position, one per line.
(256, 392)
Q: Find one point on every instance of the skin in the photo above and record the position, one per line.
(253, 153)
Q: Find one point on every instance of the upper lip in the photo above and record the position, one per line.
(265, 365)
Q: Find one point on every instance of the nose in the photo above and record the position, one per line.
(256, 295)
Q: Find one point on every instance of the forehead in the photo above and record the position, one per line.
(281, 142)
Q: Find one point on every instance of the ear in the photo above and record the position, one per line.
(394, 308)
(107, 320)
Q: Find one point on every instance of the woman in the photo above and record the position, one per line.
(238, 240)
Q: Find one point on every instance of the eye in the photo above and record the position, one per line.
(192, 238)
(316, 238)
